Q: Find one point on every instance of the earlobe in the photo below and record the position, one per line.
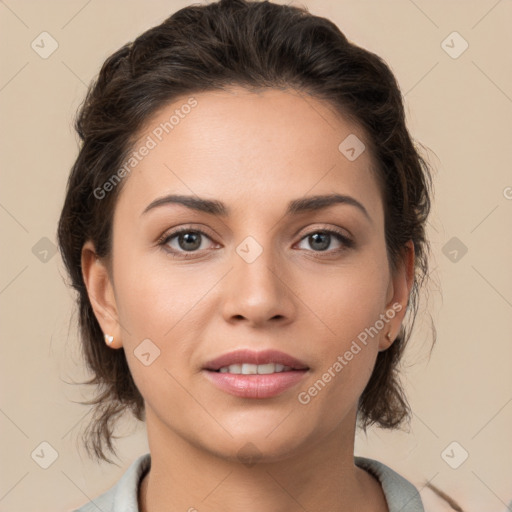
(100, 291)
(389, 341)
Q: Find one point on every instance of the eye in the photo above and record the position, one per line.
(187, 242)
(320, 240)
(184, 240)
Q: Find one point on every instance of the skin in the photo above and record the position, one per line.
(255, 152)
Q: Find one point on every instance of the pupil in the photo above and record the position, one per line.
(188, 238)
(317, 239)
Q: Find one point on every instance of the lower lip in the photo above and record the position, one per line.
(255, 386)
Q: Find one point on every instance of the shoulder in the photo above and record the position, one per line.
(122, 497)
(401, 495)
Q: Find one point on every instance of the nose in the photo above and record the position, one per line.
(257, 292)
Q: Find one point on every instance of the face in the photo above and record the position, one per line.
(262, 267)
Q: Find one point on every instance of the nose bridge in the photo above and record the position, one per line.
(258, 292)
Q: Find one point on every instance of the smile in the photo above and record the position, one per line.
(253, 369)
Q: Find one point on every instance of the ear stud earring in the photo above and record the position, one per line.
(109, 339)
(388, 336)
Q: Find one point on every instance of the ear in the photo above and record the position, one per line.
(101, 293)
(399, 289)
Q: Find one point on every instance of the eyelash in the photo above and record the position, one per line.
(164, 240)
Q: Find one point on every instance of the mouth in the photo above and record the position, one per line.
(248, 362)
(255, 369)
(249, 374)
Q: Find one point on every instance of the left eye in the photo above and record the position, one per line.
(321, 240)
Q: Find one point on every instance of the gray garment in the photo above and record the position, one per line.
(400, 494)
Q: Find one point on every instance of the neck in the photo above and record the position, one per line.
(186, 477)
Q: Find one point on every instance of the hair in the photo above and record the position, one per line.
(254, 45)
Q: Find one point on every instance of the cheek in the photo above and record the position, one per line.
(157, 305)
(353, 298)
(348, 352)
(351, 305)
(151, 296)
(165, 303)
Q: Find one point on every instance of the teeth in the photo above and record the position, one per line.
(263, 369)
(253, 369)
(249, 369)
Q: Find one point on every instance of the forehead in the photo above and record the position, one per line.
(262, 148)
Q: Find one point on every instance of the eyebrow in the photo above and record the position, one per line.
(295, 207)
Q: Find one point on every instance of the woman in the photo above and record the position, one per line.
(245, 228)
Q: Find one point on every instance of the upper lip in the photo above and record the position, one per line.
(252, 357)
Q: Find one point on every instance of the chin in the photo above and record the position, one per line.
(259, 446)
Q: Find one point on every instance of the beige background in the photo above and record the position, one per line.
(460, 108)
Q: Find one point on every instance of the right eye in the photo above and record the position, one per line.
(184, 240)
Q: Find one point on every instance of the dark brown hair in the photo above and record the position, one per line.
(212, 47)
